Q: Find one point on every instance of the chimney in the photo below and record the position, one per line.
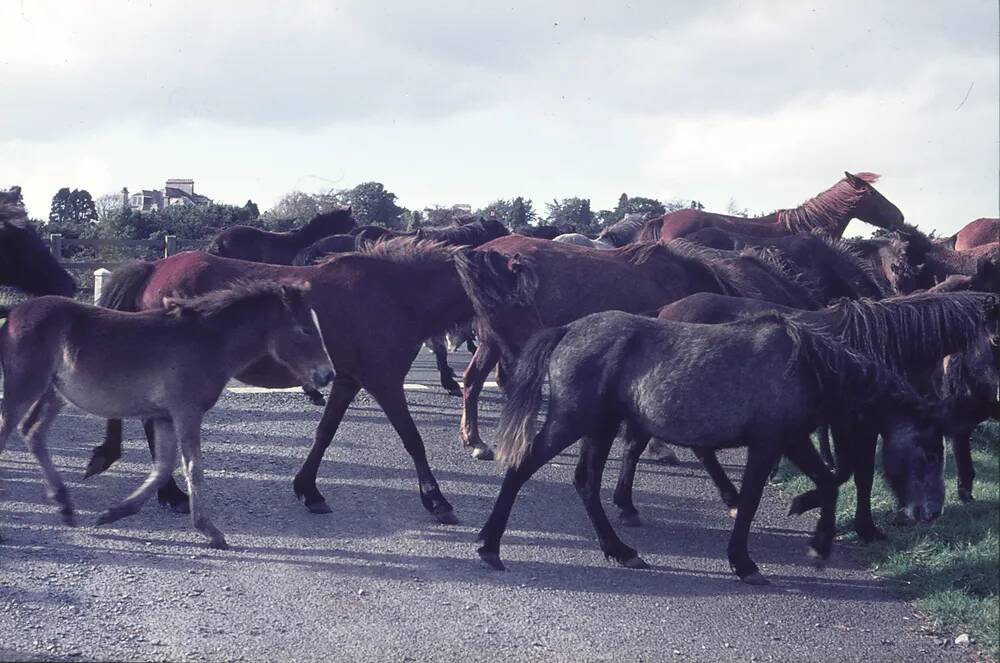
(124, 197)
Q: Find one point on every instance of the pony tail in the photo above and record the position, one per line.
(124, 288)
(524, 397)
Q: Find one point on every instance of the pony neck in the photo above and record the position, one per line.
(829, 211)
(245, 332)
(438, 295)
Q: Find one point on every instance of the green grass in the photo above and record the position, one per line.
(951, 568)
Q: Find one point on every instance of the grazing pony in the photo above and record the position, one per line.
(278, 248)
(25, 261)
(374, 308)
(53, 348)
(853, 197)
(677, 381)
(909, 336)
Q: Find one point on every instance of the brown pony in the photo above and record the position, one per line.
(519, 285)
(830, 211)
(53, 348)
(976, 233)
(374, 308)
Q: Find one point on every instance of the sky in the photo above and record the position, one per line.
(760, 103)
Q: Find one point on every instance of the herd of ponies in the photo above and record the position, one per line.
(700, 330)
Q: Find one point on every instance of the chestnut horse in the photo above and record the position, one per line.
(519, 285)
(853, 197)
(374, 308)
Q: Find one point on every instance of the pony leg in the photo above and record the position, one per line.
(587, 480)
(635, 444)
(392, 400)
(35, 426)
(485, 358)
(727, 491)
(966, 471)
(760, 460)
(440, 350)
(802, 453)
(345, 388)
(169, 494)
(825, 451)
(105, 454)
(546, 445)
(187, 428)
(166, 458)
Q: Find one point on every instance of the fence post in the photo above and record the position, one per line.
(55, 245)
(99, 276)
(169, 245)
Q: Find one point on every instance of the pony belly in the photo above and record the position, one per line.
(108, 398)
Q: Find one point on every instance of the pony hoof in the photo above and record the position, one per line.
(664, 457)
(733, 512)
(454, 392)
(182, 507)
(317, 399)
(630, 519)
(319, 506)
(97, 464)
(871, 535)
(482, 452)
(69, 518)
(109, 516)
(492, 560)
(218, 544)
(635, 562)
(446, 517)
(755, 578)
(965, 495)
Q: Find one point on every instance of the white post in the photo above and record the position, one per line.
(99, 276)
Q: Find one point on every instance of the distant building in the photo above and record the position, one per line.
(175, 192)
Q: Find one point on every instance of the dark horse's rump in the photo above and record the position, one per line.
(372, 328)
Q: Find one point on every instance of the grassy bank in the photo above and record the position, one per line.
(951, 569)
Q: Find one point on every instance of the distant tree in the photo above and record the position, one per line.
(572, 211)
(438, 216)
(621, 209)
(733, 209)
(696, 205)
(414, 219)
(253, 212)
(372, 204)
(296, 207)
(499, 209)
(72, 208)
(640, 205)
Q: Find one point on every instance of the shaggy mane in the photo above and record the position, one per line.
(828, 208)
(215, 303)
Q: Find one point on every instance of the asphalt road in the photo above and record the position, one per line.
(380, 580)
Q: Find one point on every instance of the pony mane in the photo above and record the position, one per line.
(849, 253)
(211, 305)
(640, 253)
(828, 208)
(841, 373)
(721, 262)
(901, 331)
(624, 231)
(408, 251)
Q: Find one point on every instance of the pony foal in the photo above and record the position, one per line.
(54, 349)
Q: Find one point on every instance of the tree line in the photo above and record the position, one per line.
(76, 214)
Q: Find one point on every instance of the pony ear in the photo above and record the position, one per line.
(514, 263)
(855, 180)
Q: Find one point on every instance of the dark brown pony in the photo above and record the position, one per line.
(25, 261)
(278, 248)
(677, 381)
(976, 233)
(54, 348)
(830, 211)
(907, 335)
(889, 262)
(545, 231)
(519, 285)
(830, 265)
(374, 308)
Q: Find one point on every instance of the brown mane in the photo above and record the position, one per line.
(210, 306)
(827, 208)
(408, 250)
